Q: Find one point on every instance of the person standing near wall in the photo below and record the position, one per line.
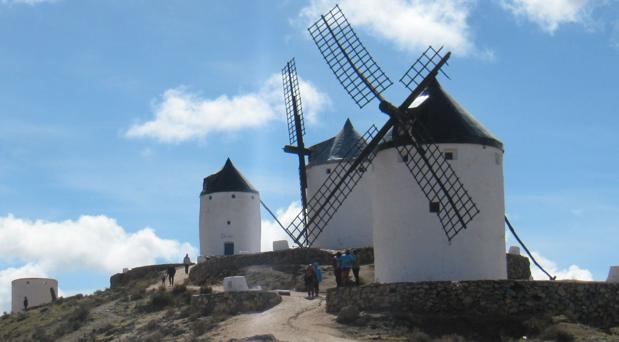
(171, 273)
(345, 265)
(356, 266)
(186, 262)
(25, 303)
(318, 278)
(336, 269)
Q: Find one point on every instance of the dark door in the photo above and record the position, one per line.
(228, 248)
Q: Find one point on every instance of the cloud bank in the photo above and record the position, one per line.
(410, 25)
(550, 14)
(271, 231)
(181, 115)
(88, 244)
(573, 272)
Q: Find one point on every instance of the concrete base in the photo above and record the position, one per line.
(235, 284)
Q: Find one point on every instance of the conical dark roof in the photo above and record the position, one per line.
(446, 121)
(336, 148)
(226, 180)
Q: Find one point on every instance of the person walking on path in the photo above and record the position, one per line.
(310, 279)
(171, 273)
(345, 265)
(318, 278)
(187, 262)
(25, 303)
(356, 266)
(163, 276)
(337, 271)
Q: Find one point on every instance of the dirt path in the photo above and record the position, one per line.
(295, 319)
(179, 278)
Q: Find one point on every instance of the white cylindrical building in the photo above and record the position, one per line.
(229, 214)
(409, 241)
(351, 226)
(37, 291)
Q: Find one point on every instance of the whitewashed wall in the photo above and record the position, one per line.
(36, 289)
(243, 213)
(351, 226)
(409, 242)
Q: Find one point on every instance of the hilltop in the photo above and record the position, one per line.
(136, 307)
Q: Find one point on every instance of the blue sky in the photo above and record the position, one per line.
(112, 112)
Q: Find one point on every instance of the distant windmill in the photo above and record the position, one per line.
(364, 80)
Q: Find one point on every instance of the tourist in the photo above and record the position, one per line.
(164, 274)
(318, 278)
(345, 265)
(356, 265)
(310, 280)
(336, 269)
(25, 303)
(187, 262)
(171, 273)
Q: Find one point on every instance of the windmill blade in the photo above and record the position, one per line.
(335, 189)
(423, 67)
(349, 60)
(292, 100)
(438, 181)
(296, 128)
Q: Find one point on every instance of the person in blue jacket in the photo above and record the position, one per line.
(346, 261)
(317, 278)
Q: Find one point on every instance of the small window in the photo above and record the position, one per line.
(362, 169)
(228, 222)
(233, 196)
(328, 171)
(252, 196)
(405, 158)
(449, 155)
(210, 198)
(435, 207)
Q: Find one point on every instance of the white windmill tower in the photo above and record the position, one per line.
(430, 182)
(229, 214)
(352, 226)
(33, 291)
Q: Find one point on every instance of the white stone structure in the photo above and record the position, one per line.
(280, 245)
(409, 242)
(229, 214)
(515, 250)
(351, 226)
(235, 284)
(38, 291)
(613, 275)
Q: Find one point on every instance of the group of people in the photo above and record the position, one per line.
(343, 263)
(170, 272)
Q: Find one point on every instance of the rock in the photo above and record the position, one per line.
(614, 331)
(348, 314)
(257, 338)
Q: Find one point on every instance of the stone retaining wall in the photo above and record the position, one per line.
(233, 303)
(216, 268)
(142, 274)
(594, 303)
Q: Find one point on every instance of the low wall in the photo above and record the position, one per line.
(139, 274)
(594, 303)
(216, 268)
(232, 303)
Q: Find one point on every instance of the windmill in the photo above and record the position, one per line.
(364, 80)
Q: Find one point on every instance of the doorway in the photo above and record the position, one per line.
(228, 248)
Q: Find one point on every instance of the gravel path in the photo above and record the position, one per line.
(295, 319)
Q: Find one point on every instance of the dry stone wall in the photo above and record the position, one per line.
(594, 303)
(233, 303)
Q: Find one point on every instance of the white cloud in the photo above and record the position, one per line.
(573, 272)
(271, 231)
(550, 14)
(182, 115)
(89, 244)
(93, 243)
(411, 25)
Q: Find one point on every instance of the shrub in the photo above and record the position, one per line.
(160, 300)
(179, 289)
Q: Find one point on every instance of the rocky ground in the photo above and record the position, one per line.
(144, 311)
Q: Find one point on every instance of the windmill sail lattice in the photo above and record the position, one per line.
(323, 205)
(363, 79)
(292, 100)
